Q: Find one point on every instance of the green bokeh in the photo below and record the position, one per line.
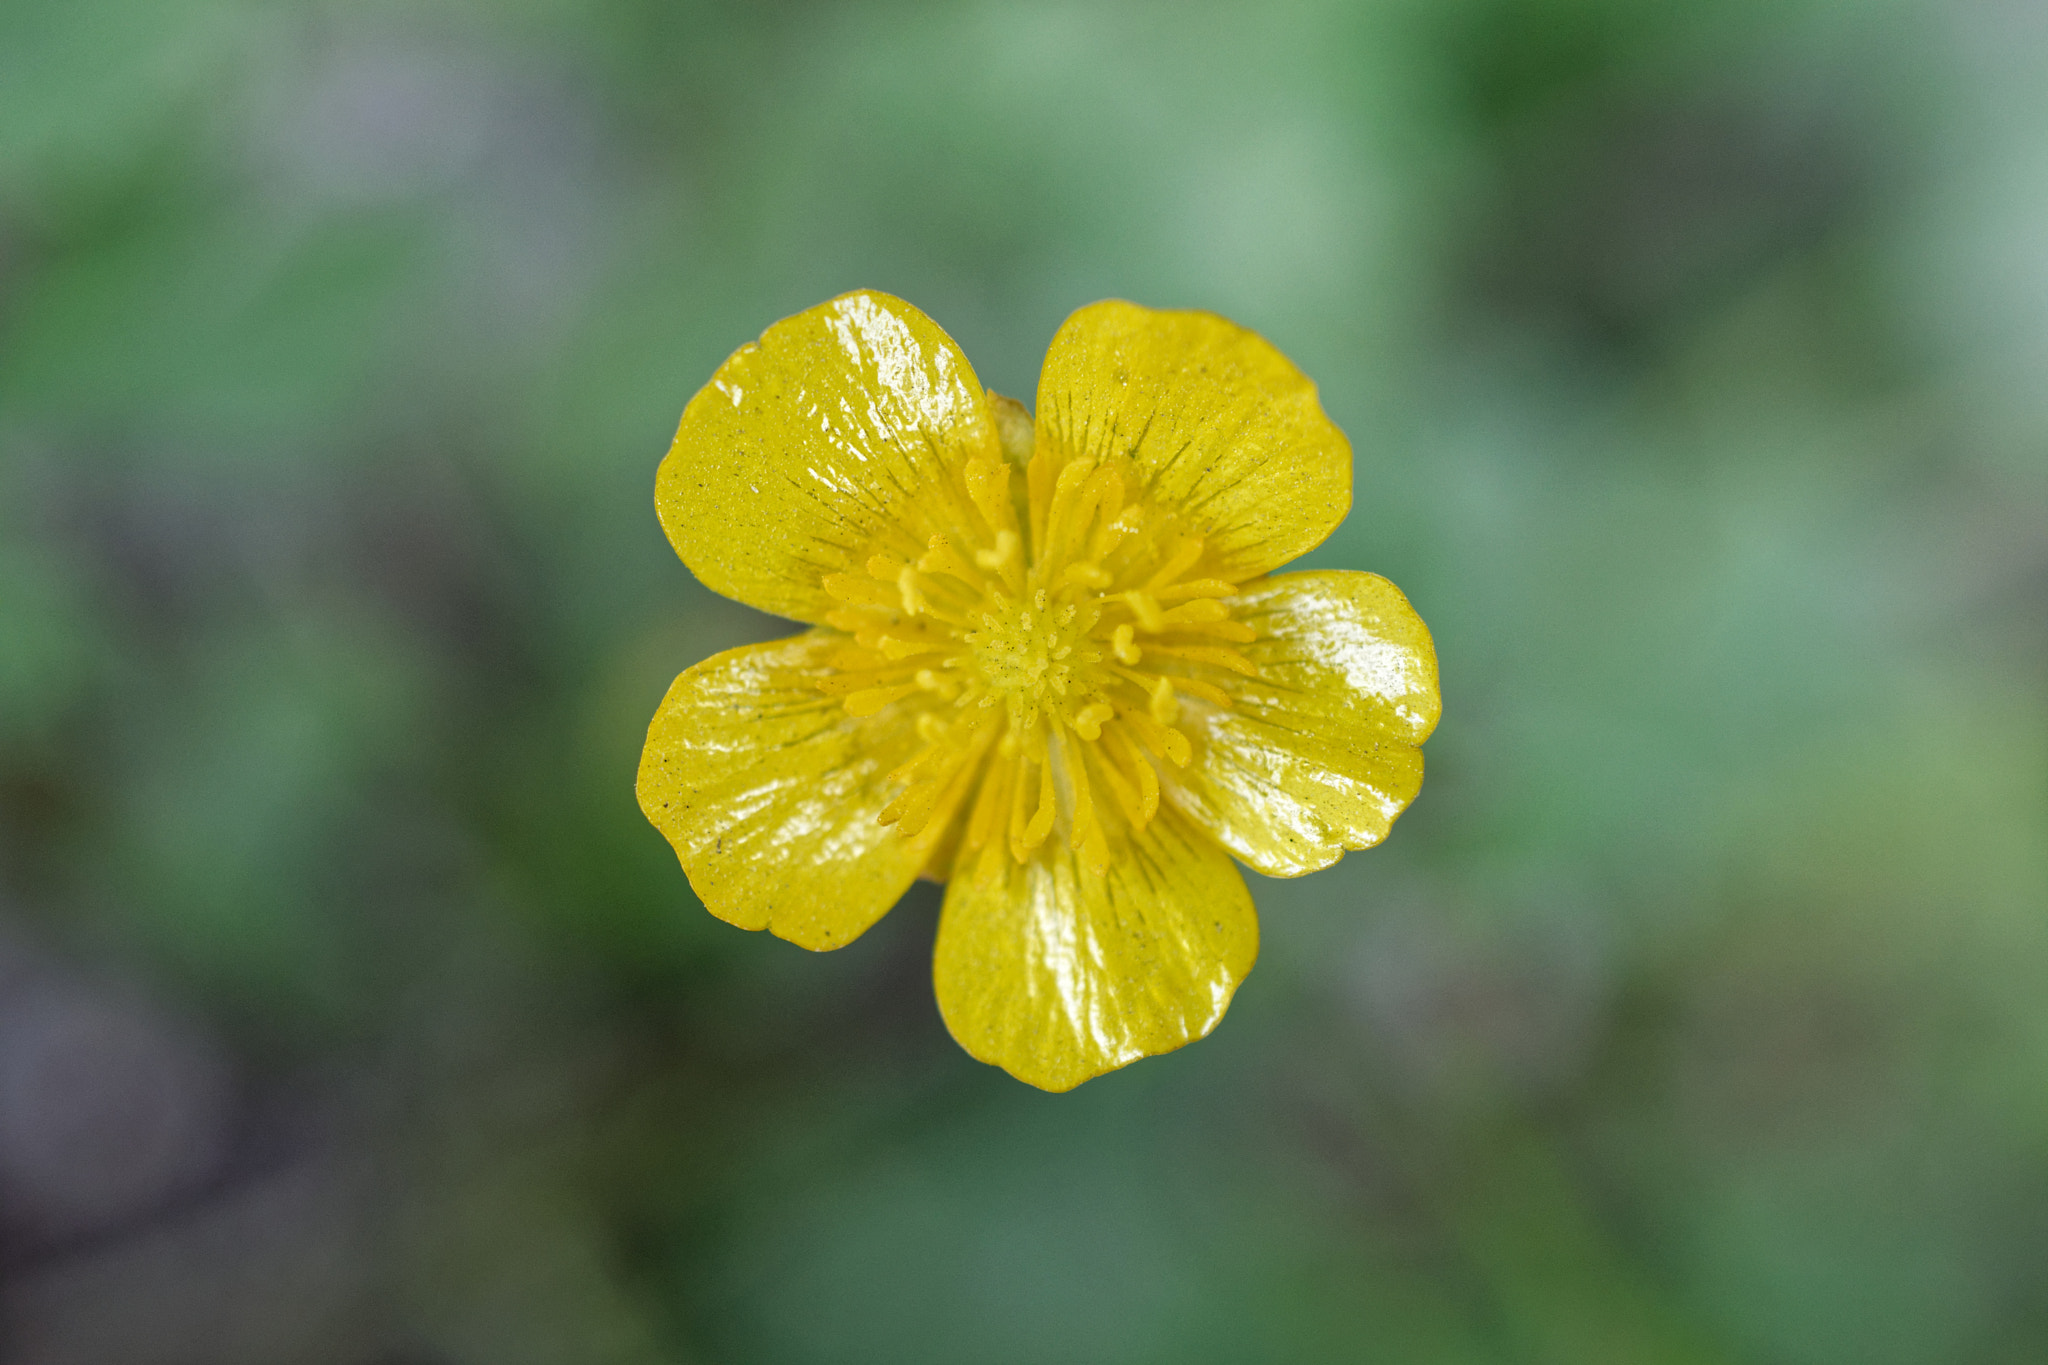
(1694, 359)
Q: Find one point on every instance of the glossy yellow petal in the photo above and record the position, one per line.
(1219, 425)
(1057, 975)
(770, 791)
(1320, 751)
(837, 434)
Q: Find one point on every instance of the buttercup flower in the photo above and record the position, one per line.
(1047, 664)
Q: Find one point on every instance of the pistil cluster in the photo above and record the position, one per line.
(1055, 634)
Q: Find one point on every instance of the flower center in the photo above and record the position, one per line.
(1027, 651)
(1046, 648)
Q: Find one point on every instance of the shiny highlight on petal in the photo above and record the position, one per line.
(1057, 976)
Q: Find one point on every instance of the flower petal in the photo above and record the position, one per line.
(770, 791)
(838, 424)
(1219, 424)
(1320, 752)
(1057, 975)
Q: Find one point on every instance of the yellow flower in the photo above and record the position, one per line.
(1046, 664)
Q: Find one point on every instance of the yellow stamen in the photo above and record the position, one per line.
(1132, 761)
(848, 619)
(1165, 706)
(941, 557)
(857, 680)
(1042, 818)
(1087, 837)
(1087, 722)
(1114, 528)
(854, 658)
(1038, 479)
(1127, 799)
(1209, 654)
(1197, 587)
(859, 592)
(901, 646)
(1025, 614)
(1121, 644)
(988, 806)
(911, 588)
(1207, 691)
(870, 700)
(1003, 556)
(1019, 821)
(1177, 563)
(1202, 609)
(930, 681)
(1163, 740)
(1109, 495)
(1066, 492)
(988, 487)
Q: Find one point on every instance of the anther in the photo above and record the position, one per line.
(913, 594)
(903, 646)
(1165, 706)
(870, 700)
(1121, 644)
(1087, 723)
(1201, 609)
(1150, 617)
(1163, 740)
(1004, 552)
(1177, 563)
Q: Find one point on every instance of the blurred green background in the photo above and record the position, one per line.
(1696, 360)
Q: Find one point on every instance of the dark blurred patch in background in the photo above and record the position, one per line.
(1696, 359)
